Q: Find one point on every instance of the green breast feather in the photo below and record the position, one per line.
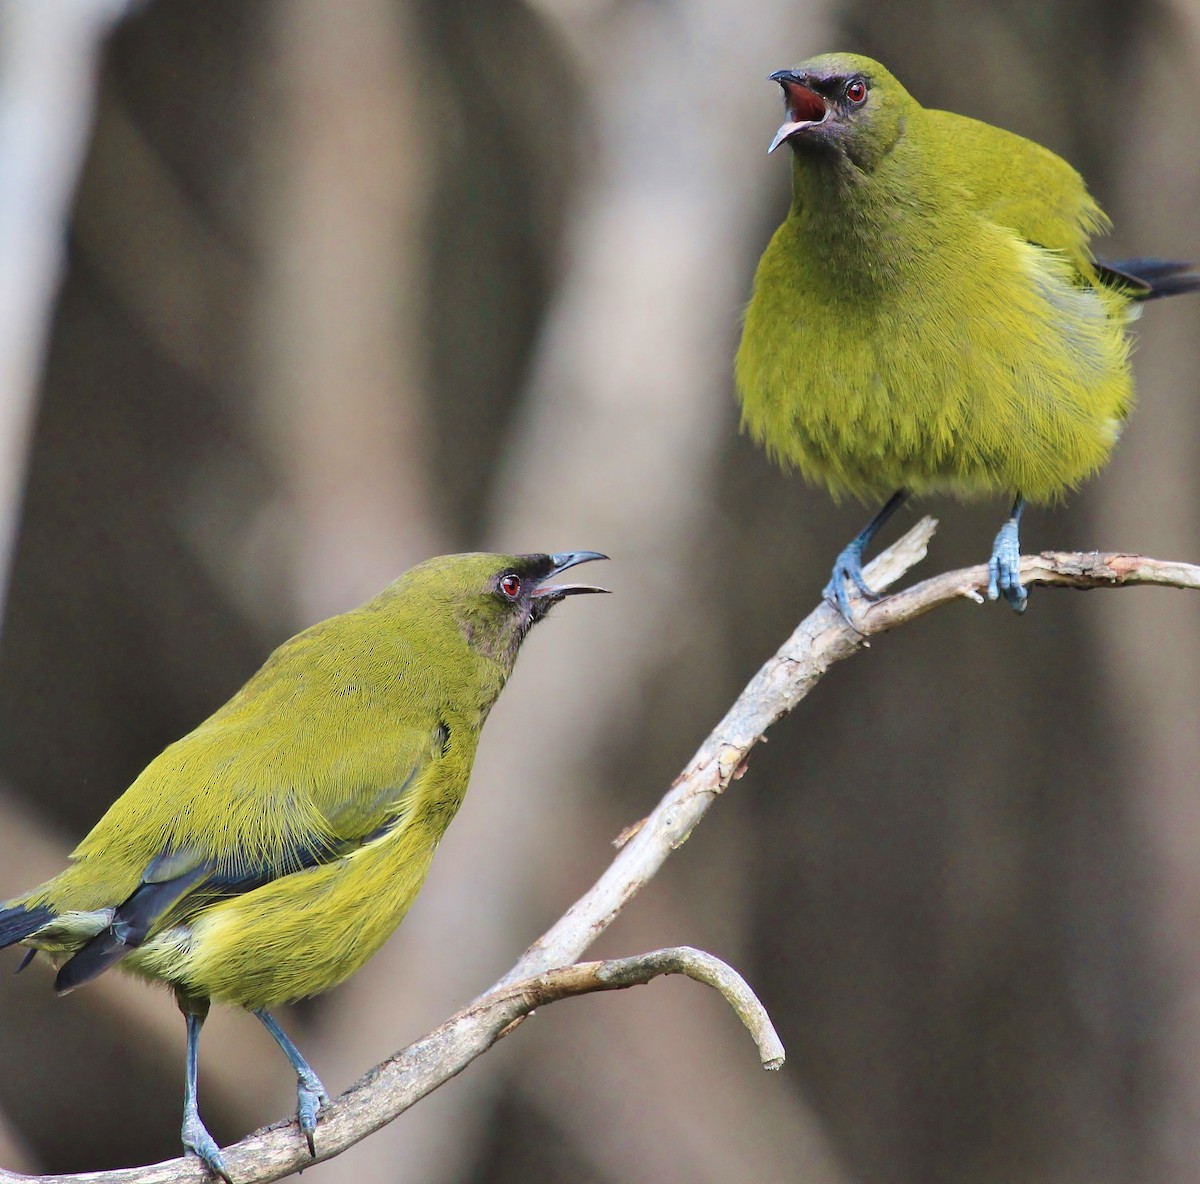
(921, 326)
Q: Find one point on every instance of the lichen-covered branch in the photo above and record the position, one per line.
(546, 971)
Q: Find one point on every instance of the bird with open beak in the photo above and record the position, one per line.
(269, 853)
(930, 317)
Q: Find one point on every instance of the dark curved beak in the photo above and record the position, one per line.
(805, 108)
(562, 561)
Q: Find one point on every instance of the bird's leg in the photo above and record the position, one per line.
(848, 565)
(196, 1139)
(310, 1093)
(1004, 567)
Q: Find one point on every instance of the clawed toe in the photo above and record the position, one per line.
(847, 572)
(848, 568)
(198, 1142)
(1004, 568)
(310, 1099)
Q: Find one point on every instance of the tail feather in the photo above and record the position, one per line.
(18, 922)
(1149, 278)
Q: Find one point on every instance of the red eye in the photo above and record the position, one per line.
(856, 92)
(510, 585)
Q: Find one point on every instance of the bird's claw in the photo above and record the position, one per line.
(1004, 568)
(198, 1142)
(310, 1099)
(847, 570)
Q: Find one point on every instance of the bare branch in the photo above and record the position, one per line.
(619, 973)
(405, 1078)
(1063, 569)
(544, 973)
(820, 640)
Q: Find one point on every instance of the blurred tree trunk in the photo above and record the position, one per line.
(48, 61)
(339, 390)
(1150, 500)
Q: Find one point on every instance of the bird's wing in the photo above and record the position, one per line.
(209, 819)
(1020, 185)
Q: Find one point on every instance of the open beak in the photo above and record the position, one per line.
(805, 108)
(552, 593)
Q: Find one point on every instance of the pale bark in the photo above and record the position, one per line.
(544, 973)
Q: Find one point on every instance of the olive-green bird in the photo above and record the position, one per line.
(268, 854)
(929, 317)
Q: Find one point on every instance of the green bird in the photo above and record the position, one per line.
(268, 854)
(929, 317)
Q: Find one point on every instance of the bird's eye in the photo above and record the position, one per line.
(510, 585)
(856, 92)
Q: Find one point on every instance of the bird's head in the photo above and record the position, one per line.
(496, 599)
(841, 103)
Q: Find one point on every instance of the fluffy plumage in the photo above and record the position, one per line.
(929, 316)
(268, 854)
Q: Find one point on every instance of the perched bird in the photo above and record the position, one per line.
(929, 317)
(268, 854)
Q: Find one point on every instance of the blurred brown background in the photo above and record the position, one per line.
(350, 282)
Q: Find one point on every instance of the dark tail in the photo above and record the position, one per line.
(19, 922)
(1148, 279)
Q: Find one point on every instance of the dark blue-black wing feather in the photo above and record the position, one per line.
(1149, 279)
(203, 882)
(19, 922)
(131, 923)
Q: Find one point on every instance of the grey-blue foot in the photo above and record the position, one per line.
(848, 568)
(847, 571)
(310, 1098)
(1004, 567)
(310, 1093)
(197, 1141)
